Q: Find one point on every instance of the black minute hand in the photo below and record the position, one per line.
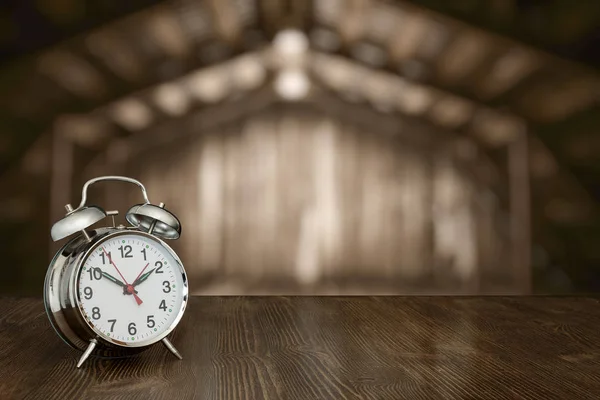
(143, 277)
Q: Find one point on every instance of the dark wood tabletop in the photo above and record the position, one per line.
(326, 348)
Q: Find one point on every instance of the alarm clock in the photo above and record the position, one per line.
(116, 290)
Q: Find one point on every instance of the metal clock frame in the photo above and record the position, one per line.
(61, 294)
(66, 316)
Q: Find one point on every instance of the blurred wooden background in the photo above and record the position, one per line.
(324, 146)
(293, 199)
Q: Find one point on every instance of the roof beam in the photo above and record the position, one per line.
(517, 24)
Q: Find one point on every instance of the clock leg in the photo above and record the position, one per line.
(87, 352)
(171, 348)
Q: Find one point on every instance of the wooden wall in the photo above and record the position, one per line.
(290, 198)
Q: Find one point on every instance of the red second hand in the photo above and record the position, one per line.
(140, 274)
(130, 288)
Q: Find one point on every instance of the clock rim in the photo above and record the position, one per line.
(101, 335)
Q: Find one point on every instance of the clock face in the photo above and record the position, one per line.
(132, 289)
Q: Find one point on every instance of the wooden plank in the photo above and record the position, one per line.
(325, 348)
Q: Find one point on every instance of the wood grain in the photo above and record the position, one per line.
(326, 348)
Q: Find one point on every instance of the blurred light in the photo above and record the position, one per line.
(353, 22)
(451, 111)
(462, 56)
(408, 37)
(382, 21)
(226, 24)
(369, 53)
(329, 11)
(507, 71)
(246, 11)
(496, 129)
(325, 39)
(172, 99)
(208, 85)
(550, 103)
(194, 19)
(165, 29)
(435, 40)
(73, 73)
(292, 84)
(132, 114)
(380, 89)
(248, 72)
(290, 44)
(336, 72)
(414, 99)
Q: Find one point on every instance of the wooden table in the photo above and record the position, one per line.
(326, 348)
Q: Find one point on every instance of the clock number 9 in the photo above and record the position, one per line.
(167, 287)
(88, 293)
(131, 328)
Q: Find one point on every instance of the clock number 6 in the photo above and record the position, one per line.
(131, 328)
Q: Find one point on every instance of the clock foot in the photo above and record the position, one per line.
(171, 348)
(87, 352)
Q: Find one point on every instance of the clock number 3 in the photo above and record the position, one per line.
(166, 287)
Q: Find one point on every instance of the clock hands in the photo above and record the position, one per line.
(143, 277)
(113, 279)
(116, 281)
(140, 274)
(129, 288)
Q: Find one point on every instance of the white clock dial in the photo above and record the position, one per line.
(132, 290)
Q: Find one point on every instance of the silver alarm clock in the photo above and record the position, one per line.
(114, 291)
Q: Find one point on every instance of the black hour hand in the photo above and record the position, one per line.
(143, 277)
(114, 280)
(117, 281)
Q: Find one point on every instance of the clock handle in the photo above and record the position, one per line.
(111, 178)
